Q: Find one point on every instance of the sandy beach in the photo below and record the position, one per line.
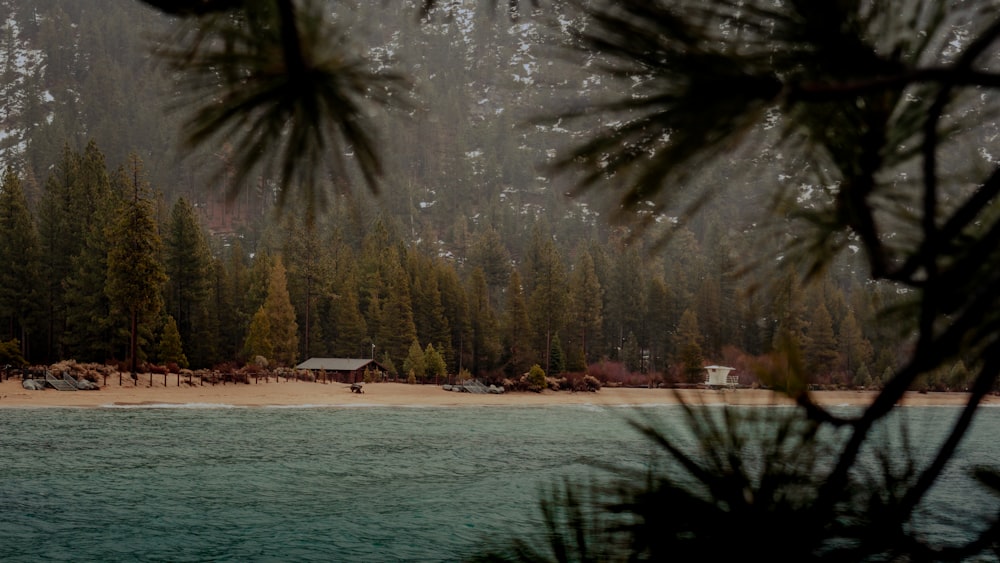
(292, 393)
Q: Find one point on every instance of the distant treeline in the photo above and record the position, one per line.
(342, 287)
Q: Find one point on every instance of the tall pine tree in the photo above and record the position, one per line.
(688, 345)
(90, 323)
(19, 252)
(188, 263)
(485, 342)
(284, 331)
(58, 247)
(135, 271)
(396, 329)
(517, 350)
(821, 350)
(585, 314)
(547, 302)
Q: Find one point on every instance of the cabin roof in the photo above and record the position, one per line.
(336, 364)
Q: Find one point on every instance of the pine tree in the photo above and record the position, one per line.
(862, 378)
(632, 352)
(603, 268)
(790, 311)
(230, 303)
(171, 348)
(135, 273)
(19, 252)
(414, 363)
(347, 322)
(455, 303)
(835, 300)
(72, 215)
(489, 253)
(661, 323)
(556, 356)
(258, 342)
(204, 347)
(821, 352)
(428, 311)
(547, 302)
(396, 329)
(258, 281)
(684, 259)
(434, 364)
(90, 322)
(518, 356)
(585, 313)
(724, 268)
(708, 300)
(855, 350)
(89, 190)
(485, 343)
(378, 266)
(188, 263)
(626, 300)
(439, 332)
(283, 331)
(309, 273)
(688, 345)
(58, 247)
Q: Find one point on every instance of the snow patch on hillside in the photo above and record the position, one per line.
(17, 65)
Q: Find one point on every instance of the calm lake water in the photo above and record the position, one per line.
(202, 483)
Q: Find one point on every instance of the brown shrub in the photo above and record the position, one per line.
(590, 383)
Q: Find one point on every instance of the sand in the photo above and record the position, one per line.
(292, 393)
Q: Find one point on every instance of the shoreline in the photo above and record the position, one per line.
(315, 394)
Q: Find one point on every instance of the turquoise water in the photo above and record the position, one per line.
(326, 484)
(195, 484)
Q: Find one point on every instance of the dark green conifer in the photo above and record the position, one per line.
(19, 252)
(188, 264)
(135, 271)
(171, 348)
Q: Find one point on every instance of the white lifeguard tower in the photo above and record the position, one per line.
(719, 378)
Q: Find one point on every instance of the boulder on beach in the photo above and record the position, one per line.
(33, 384)
(85, 385)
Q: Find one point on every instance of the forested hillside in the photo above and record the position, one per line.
(473, 247)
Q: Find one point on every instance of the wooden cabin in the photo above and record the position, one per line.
(345, 370)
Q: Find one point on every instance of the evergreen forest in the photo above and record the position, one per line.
(473, 246)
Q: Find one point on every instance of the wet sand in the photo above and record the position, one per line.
(300, 393)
